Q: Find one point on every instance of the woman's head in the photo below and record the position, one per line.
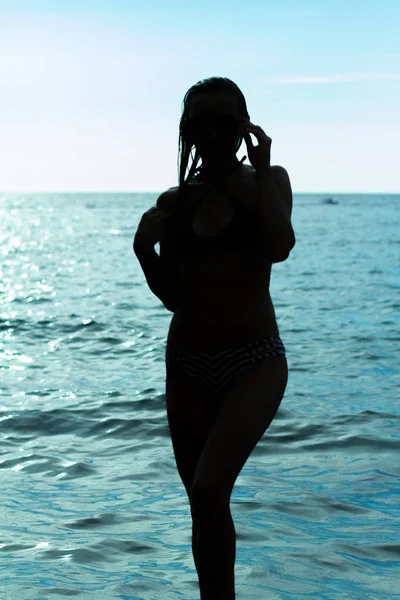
(212, 111)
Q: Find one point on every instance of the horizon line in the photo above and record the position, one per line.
(6, 193)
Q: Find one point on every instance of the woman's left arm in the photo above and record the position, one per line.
(276, 199)
(275, 210)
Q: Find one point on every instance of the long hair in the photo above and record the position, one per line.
(186, 146)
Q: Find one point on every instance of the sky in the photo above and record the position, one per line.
(91, 93)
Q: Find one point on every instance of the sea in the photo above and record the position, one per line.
(92, 506)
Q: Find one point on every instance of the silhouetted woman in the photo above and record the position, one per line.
(220, 231)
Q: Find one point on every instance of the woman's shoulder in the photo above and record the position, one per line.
(167, 200)
(242, 183)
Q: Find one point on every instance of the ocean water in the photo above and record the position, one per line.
(92, 505)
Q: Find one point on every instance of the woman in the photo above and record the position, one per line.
(219, 233)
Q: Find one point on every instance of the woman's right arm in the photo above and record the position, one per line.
(157, 277)
(161, 271)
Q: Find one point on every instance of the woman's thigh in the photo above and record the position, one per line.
(247, 409)
(192, 407)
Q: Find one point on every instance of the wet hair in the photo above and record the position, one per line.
(210, 85)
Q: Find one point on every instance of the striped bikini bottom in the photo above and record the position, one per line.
(217, 369)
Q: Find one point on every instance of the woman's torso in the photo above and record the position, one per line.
(224, 297)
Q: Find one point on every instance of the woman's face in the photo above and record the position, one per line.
(212, 124)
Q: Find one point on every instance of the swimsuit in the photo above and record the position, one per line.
(217, 369)
(241, 233)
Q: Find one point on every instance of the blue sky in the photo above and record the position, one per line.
(91, 92)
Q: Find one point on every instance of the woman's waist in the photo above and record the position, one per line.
(199, 330)
(225, 301)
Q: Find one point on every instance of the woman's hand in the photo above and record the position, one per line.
(151, 229)
(259, 156)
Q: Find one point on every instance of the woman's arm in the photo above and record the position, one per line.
(161, 276)
(157, 276)
(275, 210)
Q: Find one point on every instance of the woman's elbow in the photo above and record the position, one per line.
(282, 253)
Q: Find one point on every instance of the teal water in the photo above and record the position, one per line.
(92, 505)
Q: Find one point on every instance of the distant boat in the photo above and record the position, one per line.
(329, 200)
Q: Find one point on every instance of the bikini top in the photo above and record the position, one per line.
(241, 233)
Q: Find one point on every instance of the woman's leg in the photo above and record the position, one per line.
(249, 405)
(214, 543)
